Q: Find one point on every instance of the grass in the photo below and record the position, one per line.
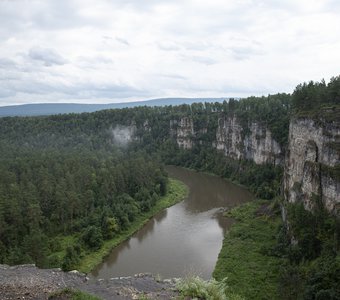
(71, 294)
(176, 192)
(246, 257)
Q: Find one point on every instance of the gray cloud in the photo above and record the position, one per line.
(111, 91)
(5, 93)
(172, 76)
(205, 60)
(94, 62)
(130, 49)
(122, 41)
(244, 52)
(83, 90)
(6, 63)
(46, 55)
(168, 46)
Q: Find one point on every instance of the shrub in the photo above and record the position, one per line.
(196, 287)
(92, 237)
(71, 258)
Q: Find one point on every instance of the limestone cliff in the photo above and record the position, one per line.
(183, 131)
(254, 143)
(229, 137)
(312, 163)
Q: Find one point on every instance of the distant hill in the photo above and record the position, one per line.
(65, 108)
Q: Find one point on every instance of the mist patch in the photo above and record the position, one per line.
(123, 135)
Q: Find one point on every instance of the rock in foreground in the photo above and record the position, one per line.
(30, 282)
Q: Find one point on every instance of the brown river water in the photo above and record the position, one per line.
(184, 239)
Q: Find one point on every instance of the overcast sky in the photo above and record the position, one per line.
(104, 51)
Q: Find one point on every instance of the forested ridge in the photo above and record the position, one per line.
(70, 175)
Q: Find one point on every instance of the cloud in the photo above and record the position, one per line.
(168, 46)
(5, 93)
(122, 41)
(46, 55)
(200, 59)
(173, 76)
(245, 49)
(122, 50)
(88, 90)
(94, 62)
(6, 63)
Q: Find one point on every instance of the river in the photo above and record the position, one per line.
(182, 240)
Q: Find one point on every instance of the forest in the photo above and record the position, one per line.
(45, 193)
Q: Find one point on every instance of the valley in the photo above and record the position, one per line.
(74, 186)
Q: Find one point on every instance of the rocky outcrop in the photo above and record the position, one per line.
(254, 143)
(29, 282)
(261, 147)
(183, 131)
(311, 162)
(229, 137)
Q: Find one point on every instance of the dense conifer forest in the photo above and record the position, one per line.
(45, 193)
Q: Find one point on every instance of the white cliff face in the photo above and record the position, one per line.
(256, 145)
(183, 131)
(331, 194)
(229, 137)
(261, 147)
(309, 154)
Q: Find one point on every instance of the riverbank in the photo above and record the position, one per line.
(177, 191)
(247, 258)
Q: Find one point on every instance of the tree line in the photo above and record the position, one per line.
(313, 95)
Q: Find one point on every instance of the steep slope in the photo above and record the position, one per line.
(312, 164)
(254, 142)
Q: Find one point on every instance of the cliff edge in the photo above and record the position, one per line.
(30, 282)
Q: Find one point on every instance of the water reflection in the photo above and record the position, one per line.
(185, 237)
(146, 230)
